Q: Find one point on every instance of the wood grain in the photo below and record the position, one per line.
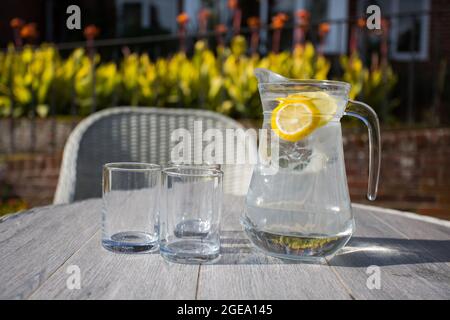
(38, 246)
(408, 270)
(33, 245)
(107, 275)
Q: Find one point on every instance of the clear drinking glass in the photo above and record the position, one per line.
(130, 207)
(213, 166)
(191, 205)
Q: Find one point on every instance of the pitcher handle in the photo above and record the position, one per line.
(366, 114)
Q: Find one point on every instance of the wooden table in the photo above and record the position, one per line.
(41, 248)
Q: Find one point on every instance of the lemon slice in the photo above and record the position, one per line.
(299, 114)
(294, 120)
(324, 103)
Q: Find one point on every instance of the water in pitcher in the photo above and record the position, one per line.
(302, 211)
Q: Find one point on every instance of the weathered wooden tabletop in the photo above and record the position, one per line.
(39, 249)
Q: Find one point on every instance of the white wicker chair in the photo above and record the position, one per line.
(133, 134)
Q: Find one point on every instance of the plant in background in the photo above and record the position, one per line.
(26, 77)
(182, 20)
(220, 31)
(377, 86)
(278, 22)
(254, 25)
(236, 13)
(203, 16)
(239, 80)
(301, 27)
(108, 80)
(324, 29)
(223, 81)
(29, 32)
(16, 25)
(7, 62)
(64, 82)
(354, 73)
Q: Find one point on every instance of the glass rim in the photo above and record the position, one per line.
(132, 166)
(312, 82)
(174, 171)
(194, 165)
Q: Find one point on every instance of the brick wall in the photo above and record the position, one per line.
(415, 170)
(32, 178)
(46, 137)
(415, 173)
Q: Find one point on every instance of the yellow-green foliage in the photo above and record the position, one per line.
(222, 81)
(354, 73)
(372, 86)
(25, 78)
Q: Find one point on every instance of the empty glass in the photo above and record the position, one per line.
(130, 207)
(191, 204)
(202, 165)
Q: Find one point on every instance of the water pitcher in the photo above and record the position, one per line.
(301, 209)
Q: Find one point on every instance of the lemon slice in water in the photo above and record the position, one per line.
(299, 114)
(294, 120)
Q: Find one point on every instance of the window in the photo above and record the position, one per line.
(131, 17)
(409, 33)
(157, 15)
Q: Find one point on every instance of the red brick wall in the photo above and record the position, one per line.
(33, 178)
(415, 171)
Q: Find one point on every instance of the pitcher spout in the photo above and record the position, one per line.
(267, 76)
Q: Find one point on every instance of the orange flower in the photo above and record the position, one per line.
(283, 16)
(183, 18)
(324, 29)
(16, 23)
(385, 23)
(221, 28)
(232, 4)
(29, 31)
(361, 23)
(253, 22)
(91, 32)
(279, 20)
(277, 23)
(302, 14)
(204, 14)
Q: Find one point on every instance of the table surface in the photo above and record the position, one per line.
(42, 249)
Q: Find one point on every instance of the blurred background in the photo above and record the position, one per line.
(201, 54)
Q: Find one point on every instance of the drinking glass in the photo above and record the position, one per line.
(214, 166)
(130, 207)
(191, 205)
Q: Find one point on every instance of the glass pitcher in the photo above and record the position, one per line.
(302, 210)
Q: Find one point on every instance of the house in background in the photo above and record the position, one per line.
(412, 24)
(418, 39)
(411, 36)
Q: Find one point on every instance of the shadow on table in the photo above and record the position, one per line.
(364, 252)
(359, 252)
